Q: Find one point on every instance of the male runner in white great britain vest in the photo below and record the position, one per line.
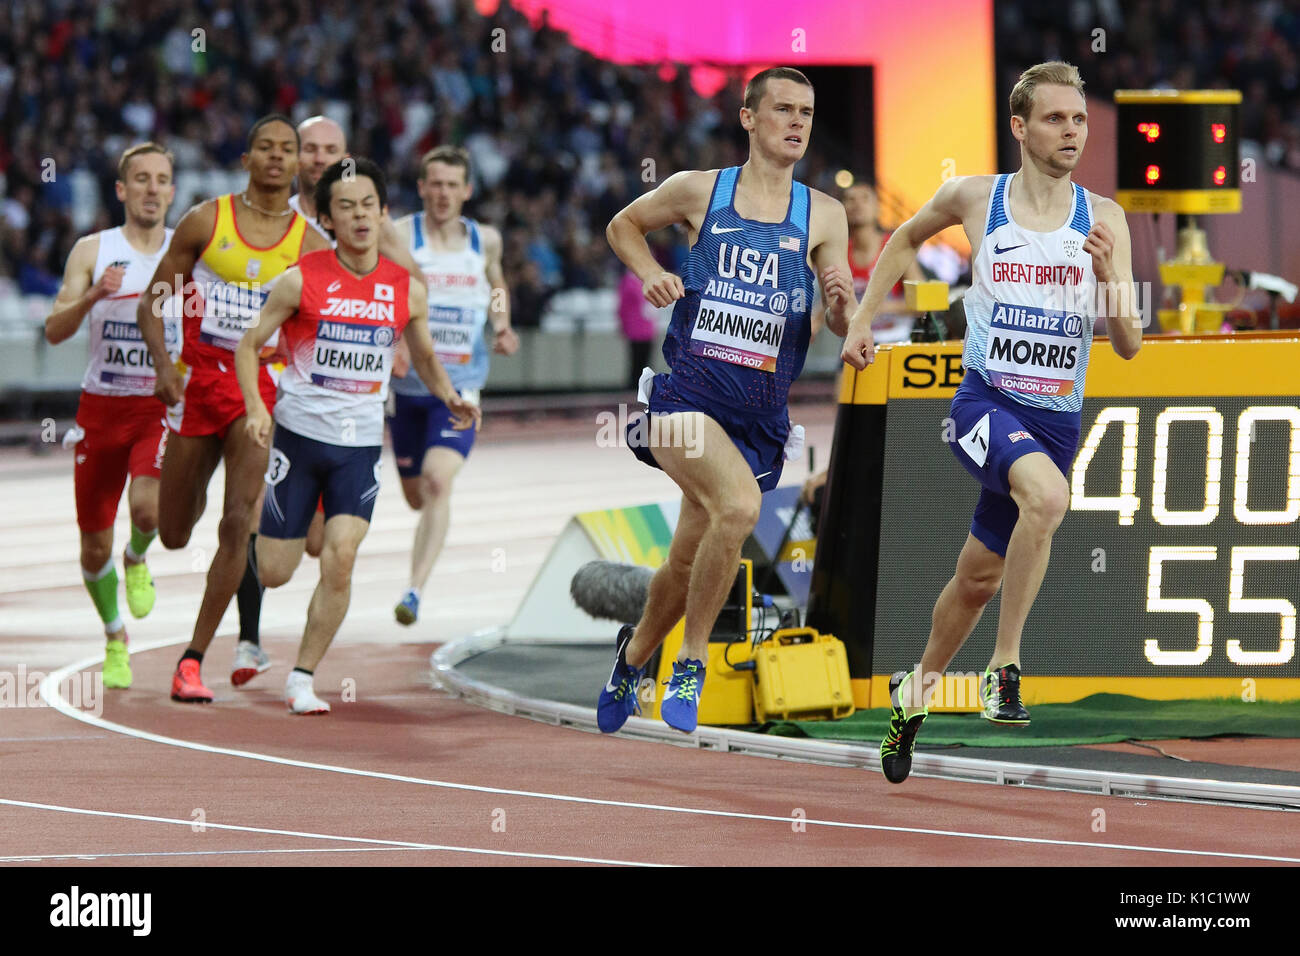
(461, 262)
(121, 428)
(1048, 258)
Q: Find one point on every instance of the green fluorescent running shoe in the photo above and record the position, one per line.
(140, 593)
(117, 665)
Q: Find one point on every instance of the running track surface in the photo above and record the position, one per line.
(401, 774)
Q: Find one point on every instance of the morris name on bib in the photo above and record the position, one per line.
(1033, 350)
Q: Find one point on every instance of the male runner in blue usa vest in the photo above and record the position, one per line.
(1048, 258)
(737, 339)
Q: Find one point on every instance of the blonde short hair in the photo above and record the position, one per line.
(1053, 73)
(140, 149)
(448, 155)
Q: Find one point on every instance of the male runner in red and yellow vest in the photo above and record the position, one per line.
(224, 254)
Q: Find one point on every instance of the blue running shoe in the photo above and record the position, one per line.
(618, 699)
(408, 609)
(681, 705)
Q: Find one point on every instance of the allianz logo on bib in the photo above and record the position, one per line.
(1067, 324)
(356, 334)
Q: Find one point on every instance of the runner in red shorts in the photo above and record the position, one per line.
(224, 254)
(120, 427)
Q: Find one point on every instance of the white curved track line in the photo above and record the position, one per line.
(51, 695)
(375, 842)
(42, 857)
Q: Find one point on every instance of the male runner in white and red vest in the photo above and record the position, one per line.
(121, 426)
(342, 312)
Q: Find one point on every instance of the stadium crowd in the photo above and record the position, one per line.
(560, 140)
(1176, 44)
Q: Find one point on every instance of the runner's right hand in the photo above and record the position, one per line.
(663, 289)
(859, 346)
(168, 386)
(258, 425)
(109, 283)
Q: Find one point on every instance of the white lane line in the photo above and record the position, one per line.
(51, 694)
(401, 844)
(45, 857)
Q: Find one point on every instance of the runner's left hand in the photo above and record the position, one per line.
(837, 290)
(464, 414)
(506, 342)
(1099, 244)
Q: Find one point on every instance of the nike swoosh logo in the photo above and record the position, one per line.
(334, 286)
(671, 692)
(716, 231)
(997, 251)
(763, 475)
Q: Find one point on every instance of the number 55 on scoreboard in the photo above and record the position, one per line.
(1176, 572)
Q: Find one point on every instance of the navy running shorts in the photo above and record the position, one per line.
(760, 440)
(301, 471)
(992, 432)
(421, 422)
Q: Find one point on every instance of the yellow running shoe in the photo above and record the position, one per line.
(140, 593)
(117, 663)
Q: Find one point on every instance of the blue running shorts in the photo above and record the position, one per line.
(301, 471)
(421, 422)
(993, 431)
(760, 440)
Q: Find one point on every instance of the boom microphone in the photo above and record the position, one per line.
(611, 591)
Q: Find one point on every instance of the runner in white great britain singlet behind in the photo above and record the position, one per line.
(1049, 257)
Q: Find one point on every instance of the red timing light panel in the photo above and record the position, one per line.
(1177, 146)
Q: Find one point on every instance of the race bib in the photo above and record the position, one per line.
(229, 310)
(124, 361)
(351, 357)
(277, 467)
(454, 330)
(735, 334)
(976, 441)
(1033, 351)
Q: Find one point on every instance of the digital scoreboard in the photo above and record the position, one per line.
(1179, 555)
(1177, 151)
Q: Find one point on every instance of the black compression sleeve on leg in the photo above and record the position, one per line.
(249, 597)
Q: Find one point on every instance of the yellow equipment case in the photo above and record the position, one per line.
(802, 675)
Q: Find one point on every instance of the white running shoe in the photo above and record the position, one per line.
(301, 697)
(250, 660)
